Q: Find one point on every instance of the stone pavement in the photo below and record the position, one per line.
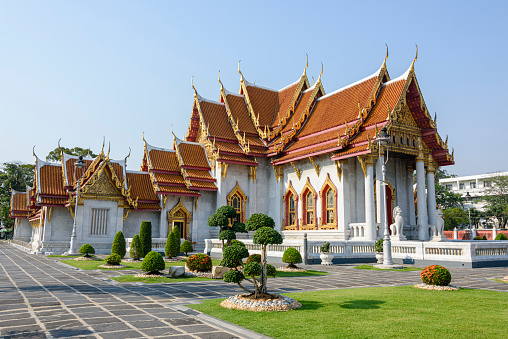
(43, 298)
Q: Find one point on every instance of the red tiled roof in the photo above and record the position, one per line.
(164, 160)
(141, 186)
(234, 158)
(52, 201)
(264, 103)
(202, 184)
(148, 206)
(240, 113)
(176, 190)
(389, 95)
(284, 101)
(217, 120)
(19, 202)
(193, 155)
(50, 180)
(163, 178)
(199, 174)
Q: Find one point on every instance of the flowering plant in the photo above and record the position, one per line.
(436, 275)
(199, 262)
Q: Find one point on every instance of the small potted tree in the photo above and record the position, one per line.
(378, 247)
(325, 255)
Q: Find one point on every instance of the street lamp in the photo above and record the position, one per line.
(78, 164)
(468, 201)
(384, 140)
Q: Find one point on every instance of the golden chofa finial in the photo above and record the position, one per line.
(193, 88)
(109, 149)
(320, 74)
(143, 136)
(306, 65)
(33, 152)
(220, 82)
(103, 143)
(416, 58)
(128, 155)
(386, 57)
(435, 118)
(60, 148)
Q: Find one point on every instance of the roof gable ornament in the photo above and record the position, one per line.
(412, 67)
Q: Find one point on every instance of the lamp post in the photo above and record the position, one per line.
(468, 201)
(78, 164)
(384, 140)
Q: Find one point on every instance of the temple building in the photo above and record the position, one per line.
(307, 158)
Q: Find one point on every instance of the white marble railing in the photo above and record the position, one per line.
(158, 244)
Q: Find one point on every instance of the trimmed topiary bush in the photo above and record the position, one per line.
(186, 247)
(136, 251)
(145, 236)
(199, 262)
(227, 235)
(113, 259)
(176, 230)
(153, 263)
(291, 256)
(233, 255)
(379, 246)
(271, 271)
(254, 258)
(258, 220)
(436, 275)
(118, 246)
(171, 249)
(236, 242)
(501, 236)
(479, 237)
(87, 249)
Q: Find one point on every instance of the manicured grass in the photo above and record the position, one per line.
(94, 264)
(63, 256)
(378, 312)
(369, 267)
(500, 281)
(131, 278)
(308, 273)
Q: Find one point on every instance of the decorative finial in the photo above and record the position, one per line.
(33, 152)
(306, 65)
(220, 82)
(128, 155)
(416, 58)
(60, 148)
(109, 149)
(143, 136)
(435, 118)
(103, 143)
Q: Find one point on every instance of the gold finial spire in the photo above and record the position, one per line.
(320, 74)
(241, 75)
(435, 118)
(128, 155)
(416, 58)
(377, 131)
(306, 65)
(143, 136)
(109, 149)
(192, 85)
(60, 148)
(386, 57)
(33, 152)
(220, 82)
(103, 143)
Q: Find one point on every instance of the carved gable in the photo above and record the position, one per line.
(103, 186)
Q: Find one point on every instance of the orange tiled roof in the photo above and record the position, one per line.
(164, 178)
(264, 103)
(19, 202)
(202, 184)
(141, 187)
(235, 158)
(176, 190)
(284, 101)
(164, 160)
(388, 95)
(52, 201)
(50, 180)
(302, 103)
(199, 174)
(148, 206)
(193, 155)
(240, 113)
(69, 167)
(216, 120)
(228, 147)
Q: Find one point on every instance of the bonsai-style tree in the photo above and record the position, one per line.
(176, 230)
(87, 249)
(136, 251)
(171, 246)
(325, 248)
(186, 247)
(118, 246)
(145, 236)
(291, 256)
(153, 263)
(264, 235)
(223, 218)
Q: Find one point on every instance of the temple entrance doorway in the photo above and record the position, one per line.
(181, 217)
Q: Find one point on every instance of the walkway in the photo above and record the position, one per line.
(43, 298)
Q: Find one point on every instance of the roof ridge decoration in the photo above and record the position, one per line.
(286, 139)
(364, 111)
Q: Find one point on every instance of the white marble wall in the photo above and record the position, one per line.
(22, 230)
(133, 221)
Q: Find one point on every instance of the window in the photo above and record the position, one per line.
(99, 222)
(448, 187)
(292, 211)
(461, 185)
(330, 207)
(236, 203)
(237, 199)
(487, 184)
(472, 184)
(309, 207)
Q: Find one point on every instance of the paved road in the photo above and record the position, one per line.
(43, 298)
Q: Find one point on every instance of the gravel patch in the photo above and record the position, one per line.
(437, 288)
(86, 258)
(146, 275)
(288, 269)
(282, 304)
(112, 267)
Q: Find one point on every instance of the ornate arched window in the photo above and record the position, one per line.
(328, 195)
(237, 199)
(181, 217)
(309, 197)
(291, 208)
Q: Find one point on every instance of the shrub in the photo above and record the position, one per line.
(484, 238)
(239, 227)
(171, 249)
(136, 251)
(501, 236)
(235, 242)
(479, 237)
(87, 249)
(176, 231)
(227, 235)
(218, 219)
(113, 259)
(227, 210)
(258, 220)
(266, 236)
(145, 236)
(436, 275)
(252, 269)
(153, 263)
(379, 245)
(233, 255)
(199, 262)
(186, 247)
(254, 258)
(291, 256)
(118, 246)
(270, 270)
(233, 276)
(325, 248)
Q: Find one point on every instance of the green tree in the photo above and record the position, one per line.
(118, 246)
(176, 231)
(445, 198)
(16, 176)
(454, 217)
(136, 250)
(172, 249)
(186, 247)
(145, 236)
(224, 218)
(496, 198)
(55, 155)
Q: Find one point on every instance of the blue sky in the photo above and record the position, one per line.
(83, 70)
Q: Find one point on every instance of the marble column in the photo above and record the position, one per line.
(431, 193)
(423, 223)
(370, 212)
(279, 197)
(411, 196)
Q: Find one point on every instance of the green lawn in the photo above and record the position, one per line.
(131, 278)
(370, 267)
(378, 312)
(64, 256)
(94, 264)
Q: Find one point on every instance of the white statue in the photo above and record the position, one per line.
(398, 225)
(438, 228)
